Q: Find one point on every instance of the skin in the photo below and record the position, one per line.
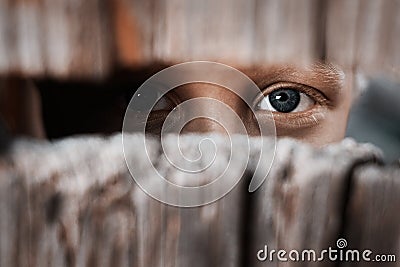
(322, 122)
(66, 110)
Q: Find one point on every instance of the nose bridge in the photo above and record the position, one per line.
(217, 115)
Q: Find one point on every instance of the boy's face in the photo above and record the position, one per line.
(308, 103)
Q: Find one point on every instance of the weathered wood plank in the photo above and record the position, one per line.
(362, 35)
(341, 29)
(6, 38)
(98, 216)
(57, 38)
(77, 38)
(300, 205)
(372, 213)
(91, 39)
(133, 24)
(287, 31)
(377, 36)
(74, 203)
(29, 35)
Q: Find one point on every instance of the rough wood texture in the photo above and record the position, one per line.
(55, 37)
(372, 215)
(301, 204)
(91, 39)
(363, 34)
(73, 203)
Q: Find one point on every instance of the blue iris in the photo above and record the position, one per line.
(284, 100)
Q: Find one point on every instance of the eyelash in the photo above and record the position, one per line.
(157, 117)
(308, 117)
(315, 94)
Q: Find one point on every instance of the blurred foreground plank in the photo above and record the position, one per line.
(372, 216)
(74, 203)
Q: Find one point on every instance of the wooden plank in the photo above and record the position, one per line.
(74, 203)
(362, 35)
(287, 31)
(377, 36)
(209, 30)
(77, 40)
(91, 39)
(372, 213)
(56, 38)
(29, 35)
(133, 26)
(341, 32)
(300, 205)
(99, 216)
(6, 38)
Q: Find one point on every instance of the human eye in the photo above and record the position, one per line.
(164, 104)
(151, 108)
(159, 113)
(292, 103)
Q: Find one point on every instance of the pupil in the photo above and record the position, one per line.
(284, 100)
(282, 97)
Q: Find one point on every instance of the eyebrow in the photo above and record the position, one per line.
(325, 77)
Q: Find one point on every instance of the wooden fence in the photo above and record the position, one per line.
(74, 203)
(94, 38)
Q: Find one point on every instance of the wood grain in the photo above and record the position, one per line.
(372, 220)
(93, 39)
(74, 203)
(300, 206)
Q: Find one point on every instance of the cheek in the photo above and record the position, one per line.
(319, 135)
(330, 129)
(333, 127)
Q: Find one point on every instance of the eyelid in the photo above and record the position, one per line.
(171, 98)
(157, 117)
(315, 94)
(300, 119)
